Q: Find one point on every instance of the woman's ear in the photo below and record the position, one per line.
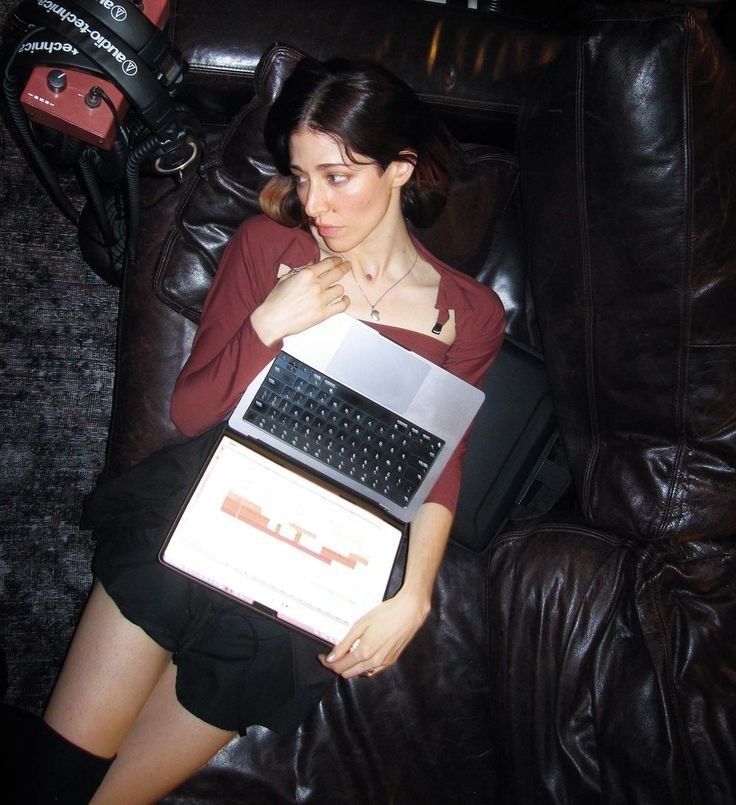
(403, 169)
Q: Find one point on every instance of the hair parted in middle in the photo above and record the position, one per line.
(373, 114)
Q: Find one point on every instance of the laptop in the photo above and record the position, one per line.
(361, 411)
(300, 509)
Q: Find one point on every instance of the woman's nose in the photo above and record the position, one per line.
(316, 200)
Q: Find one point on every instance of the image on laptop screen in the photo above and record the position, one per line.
(270, 537)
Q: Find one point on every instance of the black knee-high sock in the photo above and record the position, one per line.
(59, 772)
(17, 728)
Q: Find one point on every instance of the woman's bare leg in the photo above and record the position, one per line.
(166, 745)
(110, 671)
(116, 696)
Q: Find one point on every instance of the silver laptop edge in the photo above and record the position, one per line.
(381, 375)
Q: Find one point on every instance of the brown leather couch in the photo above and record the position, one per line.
(587, 655)
(612, 633)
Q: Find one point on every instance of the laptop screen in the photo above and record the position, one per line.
(272, 538)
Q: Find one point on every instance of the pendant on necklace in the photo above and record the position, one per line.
(375, 315)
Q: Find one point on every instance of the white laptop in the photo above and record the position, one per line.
(367, 404)
(300, 508)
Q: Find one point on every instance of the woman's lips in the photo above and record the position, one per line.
(328, 231)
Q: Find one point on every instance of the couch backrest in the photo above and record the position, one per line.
(629, 187)
(469, 65)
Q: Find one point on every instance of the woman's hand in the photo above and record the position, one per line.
(300, 299)
(376, 640)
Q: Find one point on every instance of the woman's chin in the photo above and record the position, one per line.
(328, 243)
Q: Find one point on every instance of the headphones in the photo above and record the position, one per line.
(99, 97)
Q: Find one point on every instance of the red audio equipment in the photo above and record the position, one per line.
(78, 103)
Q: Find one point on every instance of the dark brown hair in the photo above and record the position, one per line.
(373, 114)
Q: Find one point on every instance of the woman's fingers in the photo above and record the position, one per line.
(301, 298)
(376, 640)
(326, 276)
(356, 655)
(334, 293)
(334, 272)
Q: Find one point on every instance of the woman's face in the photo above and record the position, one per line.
(346, 202)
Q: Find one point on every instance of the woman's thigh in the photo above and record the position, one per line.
(165, 746)
(108, 674)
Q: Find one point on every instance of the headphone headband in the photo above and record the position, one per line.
(55, 51)
(129, 23)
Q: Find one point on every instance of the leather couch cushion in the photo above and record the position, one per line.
(611, 668)
(471, 66)
(226, 192)
(629, 206)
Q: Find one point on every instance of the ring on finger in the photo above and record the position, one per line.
(369, 672)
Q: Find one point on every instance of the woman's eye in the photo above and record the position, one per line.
(299, 180)
(337, 178)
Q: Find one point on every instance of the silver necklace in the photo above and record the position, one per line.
(376, 314)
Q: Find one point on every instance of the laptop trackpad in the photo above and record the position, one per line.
(378, 368)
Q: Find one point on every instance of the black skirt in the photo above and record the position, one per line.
(235, 668)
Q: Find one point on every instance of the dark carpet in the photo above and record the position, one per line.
(57, 336)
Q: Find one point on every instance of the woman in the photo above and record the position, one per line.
(161, 672)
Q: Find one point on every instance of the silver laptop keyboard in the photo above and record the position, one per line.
(344, 430)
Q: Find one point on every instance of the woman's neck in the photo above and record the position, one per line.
(381, 261)
(386, 264)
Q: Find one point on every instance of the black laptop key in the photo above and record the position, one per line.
(342, 429)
